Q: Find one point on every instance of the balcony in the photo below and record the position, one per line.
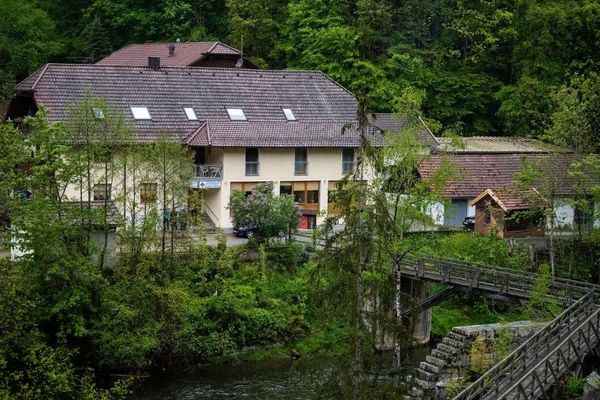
(207, 176)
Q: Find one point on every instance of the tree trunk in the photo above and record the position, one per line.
(398, 313)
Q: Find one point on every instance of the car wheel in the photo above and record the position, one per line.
(249, 234)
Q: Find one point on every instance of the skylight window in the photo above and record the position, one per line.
(236, 114)
(289, 114)
(191, 114)
(140, 113)
(98, 113)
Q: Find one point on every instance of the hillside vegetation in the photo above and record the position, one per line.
(500, 67)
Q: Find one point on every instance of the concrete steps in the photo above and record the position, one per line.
(436, 364)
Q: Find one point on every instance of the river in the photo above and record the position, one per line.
(306, 378)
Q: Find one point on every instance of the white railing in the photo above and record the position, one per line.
(208, 171)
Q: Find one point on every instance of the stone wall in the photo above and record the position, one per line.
(451, 359)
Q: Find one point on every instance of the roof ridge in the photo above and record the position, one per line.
(188, 68)
(45, 68)
(226, 45)
(335, 82)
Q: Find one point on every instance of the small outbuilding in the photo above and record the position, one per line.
(511, 213)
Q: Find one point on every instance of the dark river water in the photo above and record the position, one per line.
(281, 379)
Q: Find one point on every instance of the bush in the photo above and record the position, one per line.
(574, 386)
(480, 249)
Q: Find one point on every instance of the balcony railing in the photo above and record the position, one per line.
(208, 171)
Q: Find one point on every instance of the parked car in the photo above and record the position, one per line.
(469, 223)
(246, 231)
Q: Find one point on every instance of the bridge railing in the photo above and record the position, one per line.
(558, 360)
(502, 280)
(520, 361)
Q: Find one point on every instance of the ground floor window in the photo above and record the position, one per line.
(148, 193)
(101, 192)
(246, 187)
(305, 193)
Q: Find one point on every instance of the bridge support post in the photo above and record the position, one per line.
(421, 323)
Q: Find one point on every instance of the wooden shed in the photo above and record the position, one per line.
(512, 213)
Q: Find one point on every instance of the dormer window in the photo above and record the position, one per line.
(190, 113)
(289, 114)
(236, 114)
(98, 113)
(140, 113)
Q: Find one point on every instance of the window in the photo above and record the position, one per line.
(140, 113)
(190, 113)
(583, 217)
(289, 114)
(98, 113)
(236, 114)
(347, 160)
(285, 188)
(300, 161)
(246, 187)
(101, 192)
(148, 193)
(252, 161)
(306, 193)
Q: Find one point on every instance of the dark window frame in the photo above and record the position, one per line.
(252, 163)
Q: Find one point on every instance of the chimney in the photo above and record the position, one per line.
(154, 63)
(171, 49)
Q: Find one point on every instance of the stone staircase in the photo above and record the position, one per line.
(444, 362)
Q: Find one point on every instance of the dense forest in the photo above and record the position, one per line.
(481, 67)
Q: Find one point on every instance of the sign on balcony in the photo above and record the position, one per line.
(200, 184)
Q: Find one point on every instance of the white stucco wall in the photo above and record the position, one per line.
(564, 215)
(436, 212)
(277, 165)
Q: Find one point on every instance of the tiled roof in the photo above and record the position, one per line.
(513, 200)
(493, 144)
(395, 123)
(321, 106)
(480, 172)
(186, 53)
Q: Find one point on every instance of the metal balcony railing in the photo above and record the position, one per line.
(208, 171)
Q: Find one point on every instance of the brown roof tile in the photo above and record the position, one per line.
(498, 171)
(396, 123)
(512, 200)
(321, 106)
(186, 53)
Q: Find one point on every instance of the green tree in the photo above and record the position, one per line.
(255, 24)
(27, 40)
(272, 214)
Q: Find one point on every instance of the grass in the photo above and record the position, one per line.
(466, 310)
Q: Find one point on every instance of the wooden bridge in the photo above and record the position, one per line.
(539, 363)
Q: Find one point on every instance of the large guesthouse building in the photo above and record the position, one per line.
(244, 125)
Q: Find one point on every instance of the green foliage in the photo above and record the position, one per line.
(273, 215)
(467, 310)
(541, 305)
(574, 386)
(27, 41)
(478, 356)
(480, 249)
(502, 343)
